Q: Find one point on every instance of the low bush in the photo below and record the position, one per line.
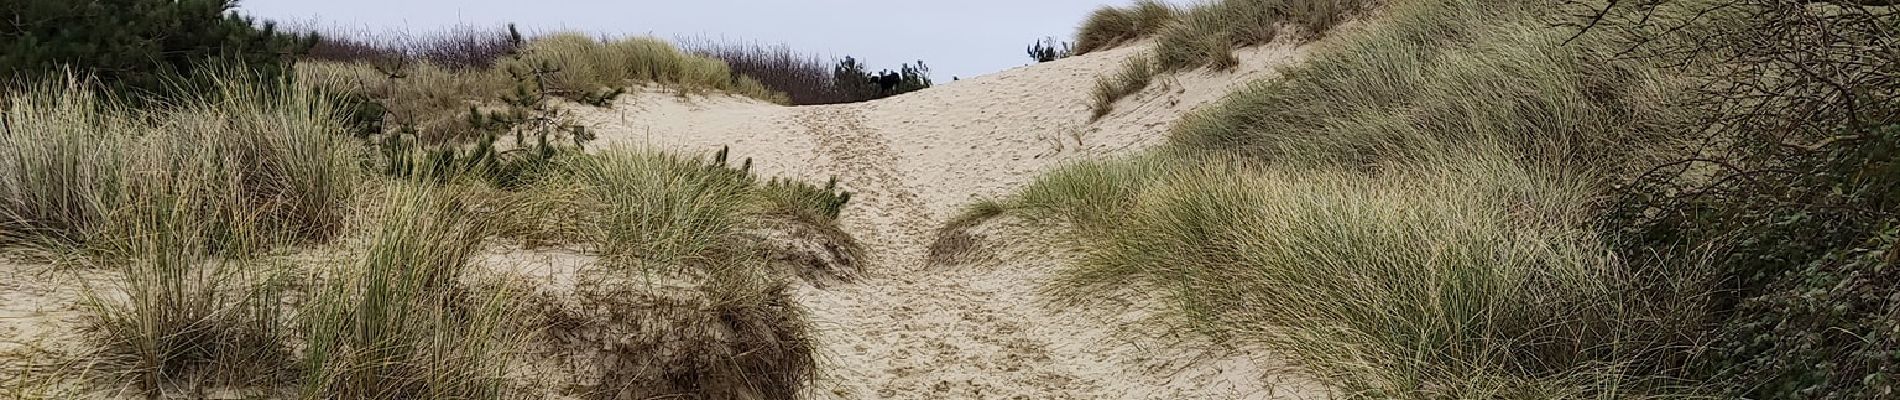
(1050, 49)
(457, 48)
(808, 80)
(146, 51)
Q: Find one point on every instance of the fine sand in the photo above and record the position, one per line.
(980, 330)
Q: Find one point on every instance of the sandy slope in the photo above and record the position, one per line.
(979, 331)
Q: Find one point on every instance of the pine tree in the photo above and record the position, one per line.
(146, 49)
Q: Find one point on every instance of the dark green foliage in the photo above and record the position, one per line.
(147, 49)
(853, 76)
(786, 196)
(510, 169)
(1804, 254)
(1050, 49)
(828, 201)
(1792, 208)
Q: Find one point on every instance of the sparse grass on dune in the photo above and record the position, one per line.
(687, 303)
(1135, 74)
(1427, 283)
(1207, 35)
(586, 63)
(438, 101)
(194, 213)
(1509, 81)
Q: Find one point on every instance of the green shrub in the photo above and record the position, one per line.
(146, 49)
(1050, 49)
(1802, 246)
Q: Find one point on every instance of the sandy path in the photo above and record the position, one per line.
(912, 330)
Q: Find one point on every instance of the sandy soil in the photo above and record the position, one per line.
(913, 330)
(909, 329)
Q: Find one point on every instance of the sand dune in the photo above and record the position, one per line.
(911, 329)
(982, 330)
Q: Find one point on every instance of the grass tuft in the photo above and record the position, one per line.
(1111, 26)
(404, 323)
(77, 161)
(1134, 76)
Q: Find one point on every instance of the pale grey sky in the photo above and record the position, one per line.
(956, 37)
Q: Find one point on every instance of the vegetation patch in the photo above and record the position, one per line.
(1470, 199)
(1206, 35)
(1113, 26)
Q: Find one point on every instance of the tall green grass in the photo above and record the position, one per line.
(241, 159)
(173, 204)
(405, 321)
(1407, 214)
(658, 209)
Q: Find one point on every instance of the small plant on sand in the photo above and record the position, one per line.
(1050, 49)
(1134, 76)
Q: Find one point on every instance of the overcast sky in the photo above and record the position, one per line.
(955, 37)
